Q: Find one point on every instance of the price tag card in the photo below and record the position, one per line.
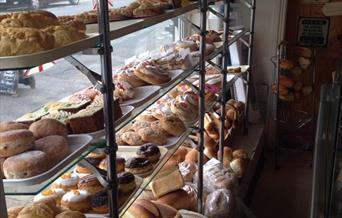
(313, 31)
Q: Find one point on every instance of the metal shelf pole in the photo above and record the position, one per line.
(226, 60)
(105, 51)
(3, 210)
(250, 52)
(203, 26)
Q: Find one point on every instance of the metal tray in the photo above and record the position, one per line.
(142, 94)
(78, 144)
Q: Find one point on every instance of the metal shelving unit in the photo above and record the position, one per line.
(100, 41)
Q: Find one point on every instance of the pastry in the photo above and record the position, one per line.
(147, 209)
(128, 75)
(67, 182)
(13, 212)
(178, 199)
(192, 155)
(120, 164)
(90, 184)
(25, 165)
(188, 170)
(20, 41)
(38, 19)
(240, 153)
(149, 151)
(132, 138)
(210, 127)
(239, 166)
(128, 10)
(183, 110)
(212, 36)
(65, 34)
(152, 135)
(77, 200)
(70, 214)
(49, 194)
(137, 125)
(46, 127)
(146, 116)
(156, 125)
(172, 125)
(210, 152)
(146, 10)
(126, 181)
(96, 156)
(118, 138)
(151, 74)
(55, 146)
(167, 180)
(187, 45)
(227, 156)
(180, 154)
(99, 202)
(123, 90)
(36, 211)
(15, 141)
(138, 165)
(7, 126)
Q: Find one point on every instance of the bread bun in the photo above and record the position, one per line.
(46, 127)
(13, 212)
(70, 214)
(210, 152)
(178, 199)
(55, 146)
(239, 166)
(6, 126)
(148, 209)
(36, 211)
(15, 141)
(240, 153)
(227, 156)
(26, 165)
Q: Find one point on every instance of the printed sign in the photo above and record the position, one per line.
(9, 82)
(313, 31)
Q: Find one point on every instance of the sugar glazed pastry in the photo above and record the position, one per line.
(25, 165)
(90, 184)
(77, 200)
(15, 141)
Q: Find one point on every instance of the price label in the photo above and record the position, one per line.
(9, 82)
(313, 31)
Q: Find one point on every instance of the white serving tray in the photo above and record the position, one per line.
(130, 151)
(78, 144)
(141, 95)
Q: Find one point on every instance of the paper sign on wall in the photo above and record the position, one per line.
(313, 31)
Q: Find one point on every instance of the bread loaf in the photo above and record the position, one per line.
(15, 141)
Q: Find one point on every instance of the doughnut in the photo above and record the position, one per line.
(77, 200)
(126, 181)
(25, 165)
(55, 146)
(149, 151)
(7, 126)
(172, 125)
(46, 127)
(152, 135)
(151, 74)
(99, 202)
(67, 182)
(120, 164)
(15, 141)
(138, 165)
(90, 184)
(132, 138)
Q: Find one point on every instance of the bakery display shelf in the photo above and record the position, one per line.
(156, 170)
(176, 80)
(34, 185)
(117, 30)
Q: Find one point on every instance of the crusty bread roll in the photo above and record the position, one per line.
(70, 214)
(55, 146)
(13, 212)
(7, 126)
(15, 141)
(240, 153)
(239, 166)
(46, 127)
(210, 152)
(36, 211)
(26, 165)
(178, 199)
(227, 156)
(148, 209)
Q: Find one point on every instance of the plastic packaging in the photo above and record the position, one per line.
(219, 204)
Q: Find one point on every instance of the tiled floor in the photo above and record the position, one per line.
(284, 193)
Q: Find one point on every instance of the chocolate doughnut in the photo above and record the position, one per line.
(138, 165)
(149, 151)
(99, 202)
(126, 182)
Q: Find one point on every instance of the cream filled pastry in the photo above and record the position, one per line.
(123, 90)
(66, 182)
(77, 200)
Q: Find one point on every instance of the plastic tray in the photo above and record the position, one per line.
(78, 144)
